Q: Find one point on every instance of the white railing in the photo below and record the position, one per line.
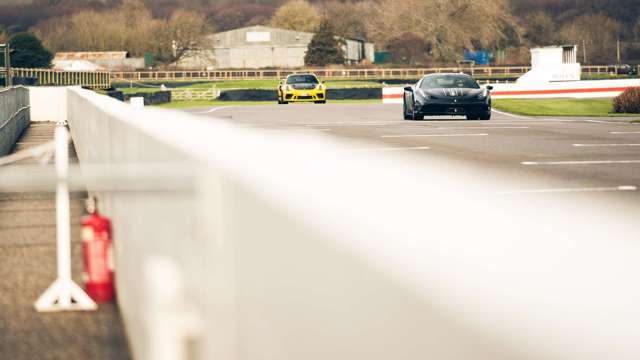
(14, 116)
(292, 246)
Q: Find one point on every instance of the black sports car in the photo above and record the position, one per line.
(447, 94)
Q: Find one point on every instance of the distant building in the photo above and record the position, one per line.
(97, 60)
(259, 47)
(553, 63)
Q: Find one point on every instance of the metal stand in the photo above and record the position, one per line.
(63, 294)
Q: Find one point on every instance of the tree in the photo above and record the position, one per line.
(446, 26)
(540, 28)
(184, 31)
(597, 33)
(234, 15)
(3, 36)
(296, 15)
(128, 27)
(29, 52)
(325, 48)
(407, 48)
(347, 18)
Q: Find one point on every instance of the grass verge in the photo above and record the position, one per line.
(198, 104)
(241, 84)
(558, 107)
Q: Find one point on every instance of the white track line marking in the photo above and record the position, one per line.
(431, 135)
(588, 162)
(526, 122)
(624, 132)
(390, 149)
(214, 109)
(353, 123)
(604, 145)
(510, 115)
(483, 128)
(602, 121)
(571, 190)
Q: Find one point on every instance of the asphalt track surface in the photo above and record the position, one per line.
(583, 158)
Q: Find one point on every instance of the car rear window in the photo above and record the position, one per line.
(449, 82)
(302, 79)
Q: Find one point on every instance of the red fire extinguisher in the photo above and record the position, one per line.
(97, 247)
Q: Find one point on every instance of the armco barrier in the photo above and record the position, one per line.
(271, 95)
(151, 98)
(14, 116)
(278, 245)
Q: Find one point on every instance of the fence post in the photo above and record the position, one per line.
(63, 294)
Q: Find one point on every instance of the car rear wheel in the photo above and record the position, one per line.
(321, 102)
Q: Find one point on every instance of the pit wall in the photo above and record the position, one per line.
(239, 243)
(569, 89)
(14, 116)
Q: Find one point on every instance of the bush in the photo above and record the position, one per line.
(628, 102)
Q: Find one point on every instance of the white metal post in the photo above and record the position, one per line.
(63, 294)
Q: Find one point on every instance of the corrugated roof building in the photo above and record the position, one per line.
(257, 47)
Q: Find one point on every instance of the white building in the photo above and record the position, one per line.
(553, 63)
(259, 47)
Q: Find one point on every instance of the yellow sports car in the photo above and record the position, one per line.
(302, 88)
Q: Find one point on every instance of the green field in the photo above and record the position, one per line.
(240, 84)
(197, 104)
(558, 107)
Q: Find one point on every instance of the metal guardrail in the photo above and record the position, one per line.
(14, 116)
(340, 74)
(90, 79)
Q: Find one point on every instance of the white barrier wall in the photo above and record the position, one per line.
(48, 103)
(392, 95)
(276, 245)
(569, 89)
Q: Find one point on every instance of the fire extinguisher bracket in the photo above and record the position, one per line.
(63, 294)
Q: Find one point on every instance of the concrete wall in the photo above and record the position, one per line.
(48, 103)
(14, 116)
(568, 89)
(245, 244)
